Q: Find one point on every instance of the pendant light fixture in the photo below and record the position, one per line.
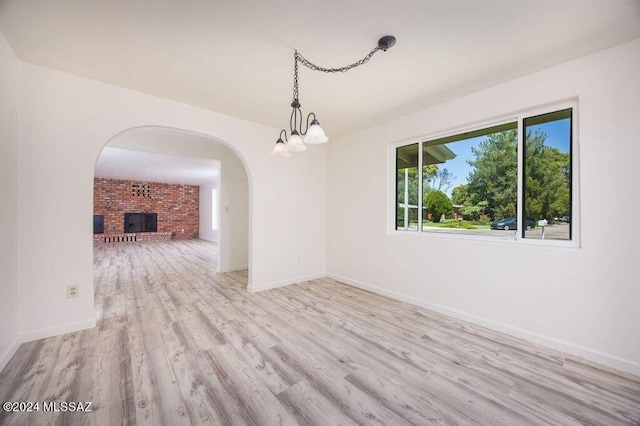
(313, 133)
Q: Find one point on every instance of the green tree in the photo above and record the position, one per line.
(546, 179)
(429, 173)
(438, 204)
(494, 174)
(492, 183)
(460, 195)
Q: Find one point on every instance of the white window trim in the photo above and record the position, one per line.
(519, 117)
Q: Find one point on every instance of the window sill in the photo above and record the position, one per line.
(509, 239)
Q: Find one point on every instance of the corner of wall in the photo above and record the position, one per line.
(6, 356)
(10, 95)
(255, 288)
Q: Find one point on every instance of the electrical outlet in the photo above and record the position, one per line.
(226, 209)
(72, 291)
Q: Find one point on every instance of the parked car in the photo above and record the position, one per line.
(511, 223)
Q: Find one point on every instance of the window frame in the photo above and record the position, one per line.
(519, 118)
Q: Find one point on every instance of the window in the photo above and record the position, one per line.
(510, 180)
(214, 209)
(547, 174)
(407, 190)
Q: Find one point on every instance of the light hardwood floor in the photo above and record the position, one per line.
(177, 343)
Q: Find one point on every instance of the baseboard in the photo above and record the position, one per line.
(222, 270)
(56, 331)
(261, 287)
(9, 352)
(570, 348)
(212, 240)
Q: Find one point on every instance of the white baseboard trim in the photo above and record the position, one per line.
(9, 352)
(570, 348)
(41, 334)
(261, 287)
(232, 269)
(56, 331)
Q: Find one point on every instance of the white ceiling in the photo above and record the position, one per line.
(236, 56)
(127, 164)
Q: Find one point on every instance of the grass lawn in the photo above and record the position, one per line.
(449, 223)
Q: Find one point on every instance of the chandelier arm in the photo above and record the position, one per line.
(293, 121)
(306, 128)
(285, 135)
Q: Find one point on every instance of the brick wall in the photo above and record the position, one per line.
(177, 205)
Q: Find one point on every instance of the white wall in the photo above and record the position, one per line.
(65, 121)
(585, 301)
(206, 231)
(9, 290)
(234, 215)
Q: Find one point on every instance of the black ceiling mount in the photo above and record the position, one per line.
(386, 42)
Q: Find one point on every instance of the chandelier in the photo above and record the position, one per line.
(313, 133)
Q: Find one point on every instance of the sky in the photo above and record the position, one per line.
(557, 136)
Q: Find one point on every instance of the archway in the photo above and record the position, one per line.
(158, 146)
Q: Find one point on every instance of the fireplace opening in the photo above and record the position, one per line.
(140, 222)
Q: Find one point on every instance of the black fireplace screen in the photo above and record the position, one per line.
(140, 222)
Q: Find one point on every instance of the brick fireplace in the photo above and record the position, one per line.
(176, 207)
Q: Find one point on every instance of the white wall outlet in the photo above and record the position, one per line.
(226, 209)
(72, 291)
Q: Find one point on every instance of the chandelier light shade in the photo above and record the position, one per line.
(313, 133)
(295, 142)
(280, 150)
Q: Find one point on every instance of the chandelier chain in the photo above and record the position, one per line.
(304, 61)
(295, 77)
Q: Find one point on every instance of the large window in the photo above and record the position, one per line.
(511, 180)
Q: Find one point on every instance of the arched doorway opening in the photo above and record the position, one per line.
(154, 184)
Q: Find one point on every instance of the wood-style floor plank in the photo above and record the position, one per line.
(177, 343)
